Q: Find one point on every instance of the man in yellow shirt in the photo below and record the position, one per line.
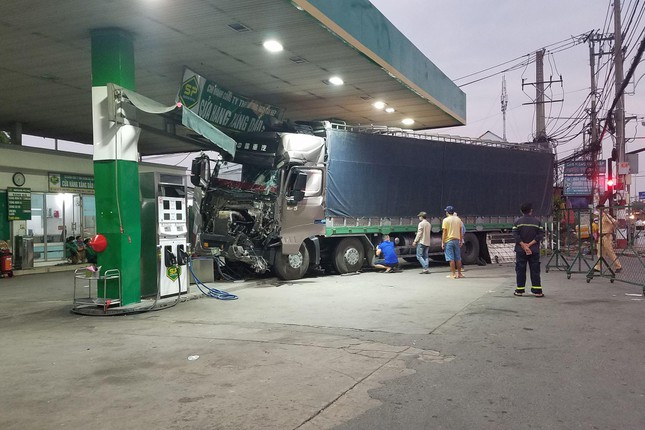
(451, 240)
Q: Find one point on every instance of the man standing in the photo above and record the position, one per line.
(528, 232)
(389, 260)
(606, 240)
(451, 240)
(422, 242)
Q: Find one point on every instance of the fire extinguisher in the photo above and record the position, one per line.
(6, 263)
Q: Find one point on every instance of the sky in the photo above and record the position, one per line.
(468, 36)
(465, 37)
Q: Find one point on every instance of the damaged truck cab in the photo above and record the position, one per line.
(267, 211)
(291, 201)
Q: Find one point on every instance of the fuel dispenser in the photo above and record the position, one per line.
(164, 232)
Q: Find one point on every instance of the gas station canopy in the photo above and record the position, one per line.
(46, 64)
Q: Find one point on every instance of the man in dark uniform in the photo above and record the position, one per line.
(528, 232)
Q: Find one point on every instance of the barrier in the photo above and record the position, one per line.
(607, 243)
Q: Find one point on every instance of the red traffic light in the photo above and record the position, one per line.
(610, 183)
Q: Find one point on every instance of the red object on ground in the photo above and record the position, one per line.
(6, 263)
(98, 243)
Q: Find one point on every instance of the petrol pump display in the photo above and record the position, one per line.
(172, 241)
(164, 232)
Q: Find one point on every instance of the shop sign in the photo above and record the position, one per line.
(63, 183)
(19, 204)
(579, 185)
(584, 167)
(223, 108)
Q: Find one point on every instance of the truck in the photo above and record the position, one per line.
(312, 196)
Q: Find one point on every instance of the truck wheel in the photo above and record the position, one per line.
(293, 266)
(470, 249)
(349, 255)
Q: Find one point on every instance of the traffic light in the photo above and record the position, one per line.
(610, 185)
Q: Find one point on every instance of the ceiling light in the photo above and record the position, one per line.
(408, 121)
(239, 27)
(378, 105)
(272, 46)
(335, 80)
(389, 109)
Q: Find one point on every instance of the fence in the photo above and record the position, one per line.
(608, 243)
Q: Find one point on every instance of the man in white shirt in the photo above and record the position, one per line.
(422, 242)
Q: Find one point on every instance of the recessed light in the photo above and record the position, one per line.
(407, 121)
(272, 46)
(390, 109)
(239, 27)
(335, 80)
(378, 104)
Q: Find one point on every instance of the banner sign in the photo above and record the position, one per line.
(584, 167)
(18, 204)
(578, 177)
(223, 108)
(641, 196)
(62, 183)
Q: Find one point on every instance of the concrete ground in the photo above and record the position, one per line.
(367, 351)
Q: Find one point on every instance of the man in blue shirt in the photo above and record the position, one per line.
(389, 260)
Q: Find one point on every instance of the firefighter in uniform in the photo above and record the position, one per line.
(528, 233)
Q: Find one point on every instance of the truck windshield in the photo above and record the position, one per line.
(246, 177)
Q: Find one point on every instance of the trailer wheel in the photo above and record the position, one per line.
(349, 255)
(293, 266)
(470, 249)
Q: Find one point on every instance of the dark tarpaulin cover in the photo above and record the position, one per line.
(386, 176)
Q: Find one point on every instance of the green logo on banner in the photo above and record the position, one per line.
(173, 273)
(189, 93)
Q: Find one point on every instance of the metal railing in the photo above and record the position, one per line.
(400, 132)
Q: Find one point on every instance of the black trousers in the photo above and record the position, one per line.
(533, 261)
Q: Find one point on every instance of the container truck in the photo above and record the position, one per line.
(320, 195)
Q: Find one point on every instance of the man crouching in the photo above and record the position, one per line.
(389, 260)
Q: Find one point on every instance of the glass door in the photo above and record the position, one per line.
(55, 226)
(88, 205)
(36, 226)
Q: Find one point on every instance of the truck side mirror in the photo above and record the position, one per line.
(298, 192)
(200, 169)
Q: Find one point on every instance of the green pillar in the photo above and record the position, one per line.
(116, 170)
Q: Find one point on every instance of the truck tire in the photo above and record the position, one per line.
(293, 266)
(349, 255)
(470, 249)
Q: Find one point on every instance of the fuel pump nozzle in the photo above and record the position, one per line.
(182, 257)
(169, 257)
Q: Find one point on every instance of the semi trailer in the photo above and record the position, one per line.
(321, 195)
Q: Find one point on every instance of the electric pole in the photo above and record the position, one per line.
(619, 112)
(540, 123)
(504, 100)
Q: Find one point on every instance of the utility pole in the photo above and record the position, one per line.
(593, 150)
(619, 112)
(504, 100)
(594, 93)
(540, 123)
